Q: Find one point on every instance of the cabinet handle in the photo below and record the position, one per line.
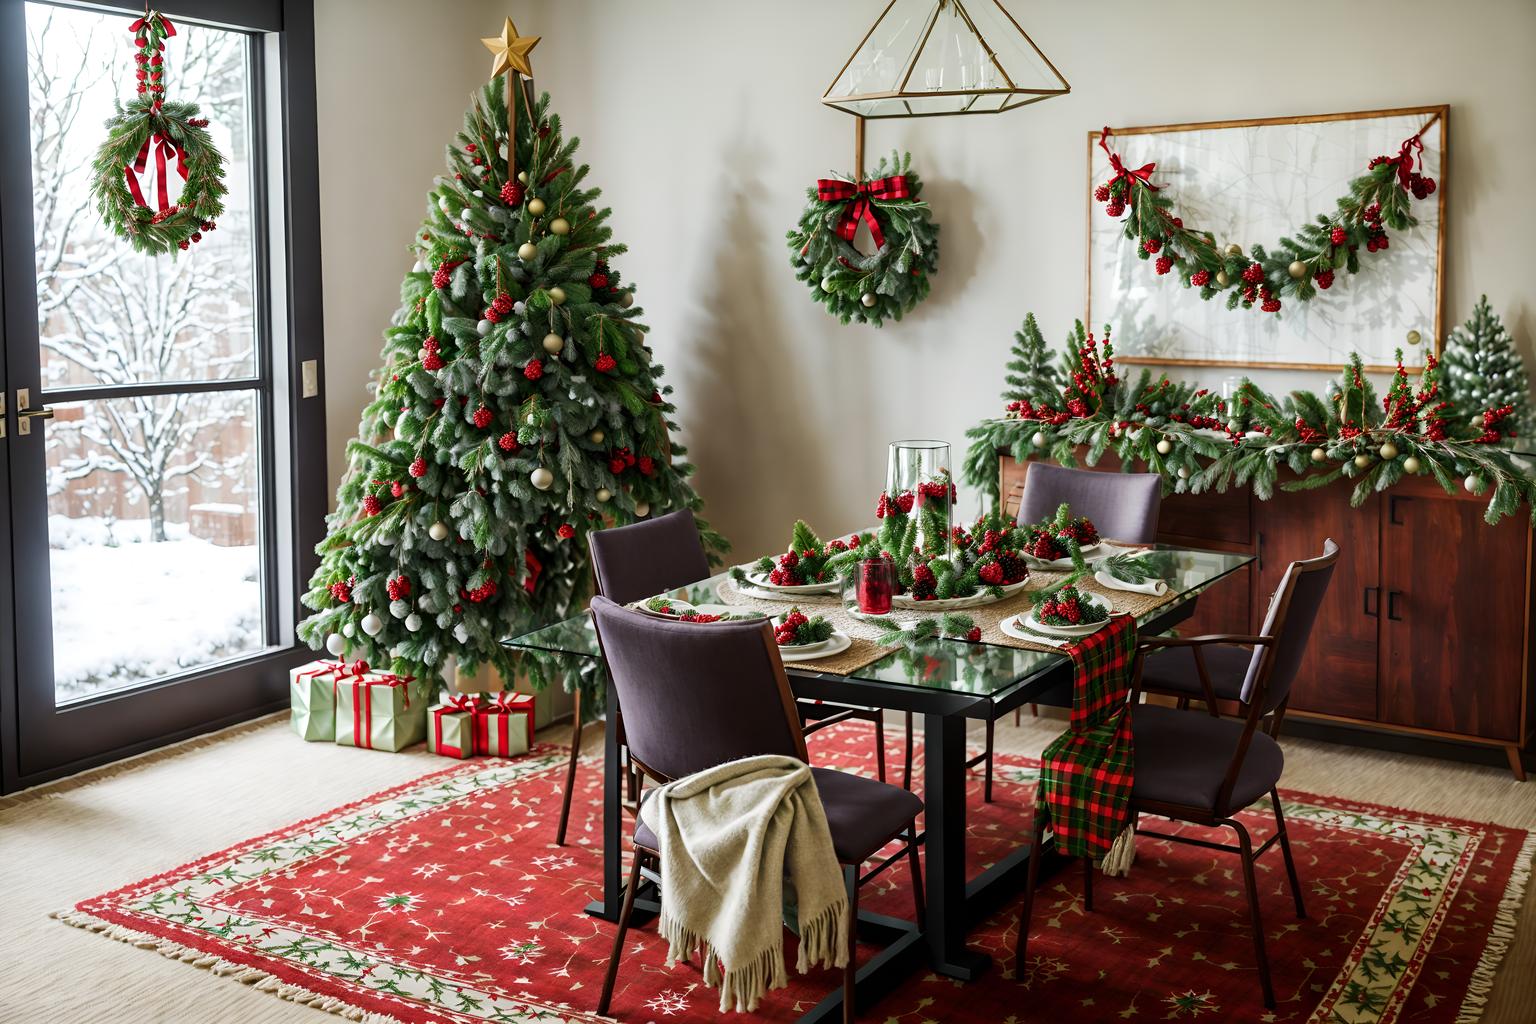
(1392, 501)
(1367, 594)
(1392, 596)
(1258, 551)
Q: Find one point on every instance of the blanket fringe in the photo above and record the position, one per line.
(1500, 936)
(742, 986)
(824, 939)
(254, 977)
(1122, 853)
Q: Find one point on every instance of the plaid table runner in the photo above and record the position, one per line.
(1086, 772)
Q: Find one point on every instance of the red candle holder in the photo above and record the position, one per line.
(876, 586)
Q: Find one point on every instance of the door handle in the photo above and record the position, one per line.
(1367, 594)
(1392, 596)
(25, 415)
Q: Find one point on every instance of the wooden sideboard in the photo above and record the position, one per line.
(1428, 623)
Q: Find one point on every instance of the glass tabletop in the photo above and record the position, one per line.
(954, 665)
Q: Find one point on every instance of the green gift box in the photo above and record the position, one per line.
(380, 711)
(312, 699)
(451, 726)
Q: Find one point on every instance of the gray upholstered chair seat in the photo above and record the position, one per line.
(862, 814)
(1182, 757)
(1173, 671)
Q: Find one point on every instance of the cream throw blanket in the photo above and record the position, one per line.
(729, 837)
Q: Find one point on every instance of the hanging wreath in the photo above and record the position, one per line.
(858, 286)
(1299, 266)
(171, 134)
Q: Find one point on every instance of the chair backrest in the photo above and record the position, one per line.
(1123, 506)
(649, 557)
(1292, 611)
(695, 695)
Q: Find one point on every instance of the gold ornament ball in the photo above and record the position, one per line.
(553, 344)
(596, 437)
(522, 176)
(1234, 249)
(642, 510)
(1362, 461)
(1319, 455)
(557, 295)
(1183, 472)
(1412, 465)
(1414, 337)
(1039, 439)
(604, 494)
(527, 251)
(627, 299)
(536, 206)
(1388, 451)
(1297, 269)
(542, 478)
(869, 299)
(560, 226)
(1164, 446)
(1222, 279)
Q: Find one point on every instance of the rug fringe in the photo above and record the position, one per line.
(1500, 936)
(257, 979)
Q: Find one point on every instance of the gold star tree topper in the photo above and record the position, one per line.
(509, 51)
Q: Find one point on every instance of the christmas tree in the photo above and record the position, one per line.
(1031, 375)
(1483, 371)
(518, 408)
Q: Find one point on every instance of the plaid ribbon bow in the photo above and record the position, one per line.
(857, 198)
(1087, 772)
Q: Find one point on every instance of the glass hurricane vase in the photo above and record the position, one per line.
(920, 468)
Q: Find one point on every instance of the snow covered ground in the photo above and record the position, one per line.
(126, 611)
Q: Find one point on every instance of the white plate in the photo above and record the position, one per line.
(1081, 630)
(761, 582)
(836, 645)
(976, 600)
(1060, 563)
(727, 609)
(1013, 626)
(680, 606)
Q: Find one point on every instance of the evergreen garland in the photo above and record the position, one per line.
(1198, 443)
(887, 283)
(1483, 370)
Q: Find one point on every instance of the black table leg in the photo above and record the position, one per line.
(607, 908)
(944, 824)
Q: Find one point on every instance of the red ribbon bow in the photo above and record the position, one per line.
(141, 23)
(505, 700)
(1404, 160)
(460, 702)
(164, 149)
(836, 190)
(1122, 173)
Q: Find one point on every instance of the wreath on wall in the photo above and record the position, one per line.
(855, 286)
(1301, 265)
(171, 134)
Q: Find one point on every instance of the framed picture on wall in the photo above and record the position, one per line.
(1256, 181)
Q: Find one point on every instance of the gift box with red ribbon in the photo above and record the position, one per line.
(451, 725)
(504, 726)
(312, 698)
(380, 710)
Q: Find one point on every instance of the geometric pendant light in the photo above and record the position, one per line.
(930, 58)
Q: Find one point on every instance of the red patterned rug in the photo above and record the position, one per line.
(445, 900)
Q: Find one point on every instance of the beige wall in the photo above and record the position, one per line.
(702, 125)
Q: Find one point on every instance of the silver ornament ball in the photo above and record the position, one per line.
(335, 644)
(438, 531)
(542, 478)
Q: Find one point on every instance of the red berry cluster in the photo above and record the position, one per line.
(341, 590)
(508, 442)
(620, 460)
(433, 360)
(534, 370)
(789, 629)
(398, 588)
(1494, 427)
(483, 417)
(1163, 264)
(396, 488)
(499, 307)
(1151, 244)
(372, 506)
(565, 531)
(923, 582)
(698, 617)
(791, 572)
(605, 362)
(936, 490)
(888, 505)
(1068, 608)
(443, 273)
(512, 193)
(478, 595)
(1200, 278)
(1323, 279)
(418, 467)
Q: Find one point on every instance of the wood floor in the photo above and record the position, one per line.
(87, 835)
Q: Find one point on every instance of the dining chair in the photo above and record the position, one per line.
(1191, 767)
(1123, 506)
(1220, 669)
(656, 555)
(697, 695)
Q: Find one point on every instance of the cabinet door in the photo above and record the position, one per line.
(1338, 673)
(1453, 612)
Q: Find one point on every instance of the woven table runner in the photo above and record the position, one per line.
(988, 616)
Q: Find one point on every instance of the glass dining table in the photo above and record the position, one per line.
(947, 682)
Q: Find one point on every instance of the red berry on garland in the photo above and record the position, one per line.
(1115, 208)
(646, 465)
(973, 635)
(598, 280)
(512, 193)
(1152, 244)
(566, 531)
(372, 506)
(1338, 236)
(397, 488)
(433, 361)
(605, 362)
(1200, 278)
(534, 370)
(440, 277)
(1253, 273)
(482, 417)
(1323, 279)
(616, 465)
(491, 315)
(502, 303)
(905, 501)
(1271, 305)
(1163, 264)
(1101, 193)
(418, 467)
(508, 442)
(341, 592)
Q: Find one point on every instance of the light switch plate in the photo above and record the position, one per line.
(309, 372)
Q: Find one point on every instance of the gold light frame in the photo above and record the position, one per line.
(1016, 96)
